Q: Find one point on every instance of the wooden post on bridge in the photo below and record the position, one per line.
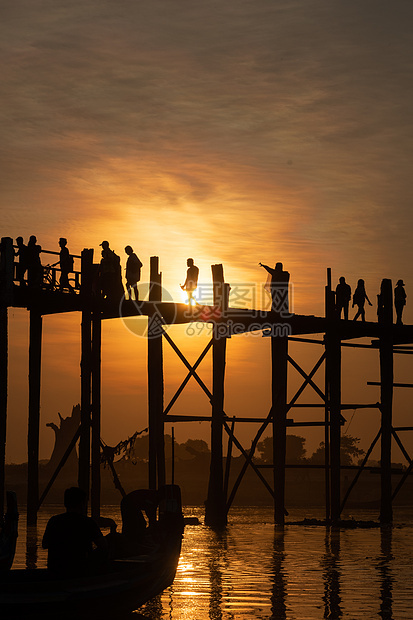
(385, 317)
(155, 382)
(3, 398)
(333, 406)
(35, 356)
(6, 275)
(333, 398)
(85, 369)
(279, 363)
(215, 509)
(96, 411)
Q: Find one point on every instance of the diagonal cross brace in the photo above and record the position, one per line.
(307, 377)
(248, 461)
(264, 426)
(401, 446)
(359, 471)
(210, 396)
(188, 365)
(408, 470)
(190, 374)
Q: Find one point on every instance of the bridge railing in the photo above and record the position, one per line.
(51, 273)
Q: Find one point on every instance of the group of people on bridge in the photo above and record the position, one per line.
(31, 273)
(108, 280)
(29, 269)
(343, 298)
(110, 273)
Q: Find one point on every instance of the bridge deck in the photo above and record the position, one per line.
(233, 321)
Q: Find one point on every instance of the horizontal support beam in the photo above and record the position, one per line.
(307, 406)
(404, 385)
(206, 418)
(352, 345)
(401, 334)
(308, 340)
(343, 406)
(372, 470)
(366, 406)
(310, 424)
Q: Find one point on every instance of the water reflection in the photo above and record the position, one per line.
(256, 571)
(217, 555)
(31, 546)
(279, 588)
(384, 569)
(330, 563)
(152, 609)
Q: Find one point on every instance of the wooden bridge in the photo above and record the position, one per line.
(278, 325)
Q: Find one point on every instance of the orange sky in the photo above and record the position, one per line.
(233, 132)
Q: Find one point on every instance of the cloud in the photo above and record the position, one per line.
(233, 132)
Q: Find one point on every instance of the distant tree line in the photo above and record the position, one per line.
(138, 450)
(350, 453)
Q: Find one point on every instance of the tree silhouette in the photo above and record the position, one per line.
(295, 450)
(348, 451)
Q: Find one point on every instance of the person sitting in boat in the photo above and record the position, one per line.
(70, 538)
(138, 532)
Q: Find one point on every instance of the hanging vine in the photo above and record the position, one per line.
(124, 448)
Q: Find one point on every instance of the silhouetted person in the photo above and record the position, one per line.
(110, 274)
(191, 281)
(343, 297)
(359, 299)
(66, 265)
(133, 272)
(399, 301)
(69, 538)
(278, 288)
(135, 529)
(132, 506)
(21, 267)
(34, 265)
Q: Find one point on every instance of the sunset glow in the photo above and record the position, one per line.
(234, 133)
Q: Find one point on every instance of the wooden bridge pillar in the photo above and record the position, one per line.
(96, 412)
(333, 407)
(35, 355)
(215, 509)
(385, 317)
(155, 383)
(85, 369)
(279, 364)
(6, 292)
(3, 399)
(333, 403)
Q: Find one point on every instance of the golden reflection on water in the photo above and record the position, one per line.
(217, 552)
(279, 588)
(253, 570)
(384, 570)
(31, 546)
(330, 564)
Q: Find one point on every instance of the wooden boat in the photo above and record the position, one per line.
(120, 587)
(8, 533)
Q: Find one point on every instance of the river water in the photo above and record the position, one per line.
(254, 570)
